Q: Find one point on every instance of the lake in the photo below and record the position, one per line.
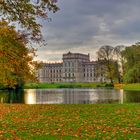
(70, 96)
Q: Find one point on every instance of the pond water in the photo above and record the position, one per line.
(69, 96)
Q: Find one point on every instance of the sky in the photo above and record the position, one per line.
(83, 26)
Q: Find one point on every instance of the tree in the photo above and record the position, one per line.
(120, 60)
(132, 75)
(25, 12)
(16, 65)
(132, 63)
(105, 54)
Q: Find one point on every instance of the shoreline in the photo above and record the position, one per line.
(126, 87)
(66, 85)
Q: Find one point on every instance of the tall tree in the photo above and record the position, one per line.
(105, 54)
(120, 60)
(132, 63)
(25, 12)
(16, 65)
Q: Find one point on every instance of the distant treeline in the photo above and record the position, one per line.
(122, 63)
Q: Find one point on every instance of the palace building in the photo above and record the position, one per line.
(75, 67)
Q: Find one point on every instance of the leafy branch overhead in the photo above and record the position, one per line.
(26, 12)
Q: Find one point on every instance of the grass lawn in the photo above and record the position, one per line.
(70, 122)
(130, 87)
(65, 85)
(135, 86)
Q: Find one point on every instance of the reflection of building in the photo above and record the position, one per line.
(76, 96)
(71, 96)
(75, 67)
(40, 96)
(49, 96)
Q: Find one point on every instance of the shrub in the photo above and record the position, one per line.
(109, 85)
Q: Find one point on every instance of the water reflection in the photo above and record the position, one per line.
(131, 96)
(30, 96)
(3, 97)
(72, 96)
(69, 96)
(12, 96)
(121, 95)
(40, 96)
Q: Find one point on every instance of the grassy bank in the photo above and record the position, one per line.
(134, 87)
(130, 87)
(65, 85)
(66, 122)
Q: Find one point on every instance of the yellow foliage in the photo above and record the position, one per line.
(15, 61)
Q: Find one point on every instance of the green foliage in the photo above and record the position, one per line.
(132, 64)
(109, 85)
(132, 75)
(70, 122)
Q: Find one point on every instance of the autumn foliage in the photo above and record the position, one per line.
(26, 12)
(16, 65)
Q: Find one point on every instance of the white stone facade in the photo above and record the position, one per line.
(75, 67)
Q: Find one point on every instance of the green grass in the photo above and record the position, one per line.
(65, 85)
(70, 122)
(133, 87)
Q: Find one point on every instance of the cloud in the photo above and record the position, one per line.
(84, 26)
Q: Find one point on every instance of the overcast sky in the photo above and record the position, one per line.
(85, 25)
